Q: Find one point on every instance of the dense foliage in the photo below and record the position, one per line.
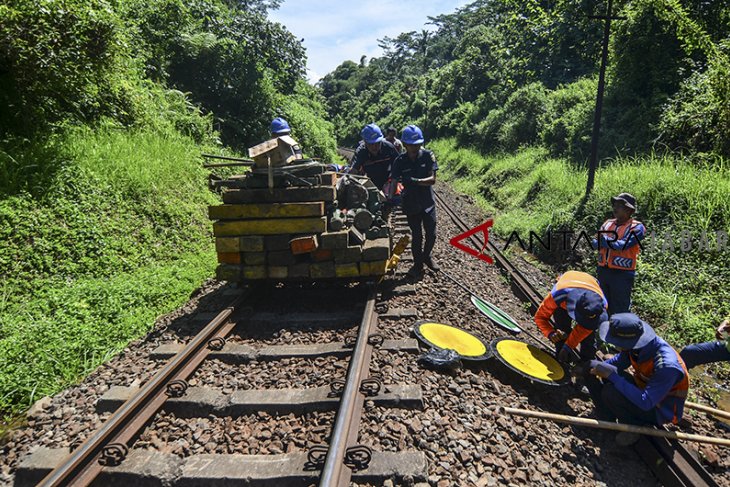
(105, 107)
(500, 74)
(201, 64)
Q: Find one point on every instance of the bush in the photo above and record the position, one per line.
(62, 58)
(697, 118)
(515, 123)
(568, 120)
(304, 110)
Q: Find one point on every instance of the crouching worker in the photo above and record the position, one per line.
(656, 392)
(576, 296)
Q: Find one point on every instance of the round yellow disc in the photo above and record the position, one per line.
(450, 338)
(530, 360)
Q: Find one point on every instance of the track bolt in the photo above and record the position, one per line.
(371, 386)
(337, 387)
(358, 457)
(376, 339)
(216, 343)
(176, 388)
(113, 454)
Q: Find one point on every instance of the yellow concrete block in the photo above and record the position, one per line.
(322, 270)
(376, 268)
(347, 270)
(265, 210)
(227, 244)
(254, 272)
(278, 272)
(226, 272)
(253, 258)
(269, 227)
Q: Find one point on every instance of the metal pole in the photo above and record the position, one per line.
(627, 428)
(593, 163)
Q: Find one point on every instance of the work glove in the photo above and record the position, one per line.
(566, 354)
(602, 369)
(556, 336)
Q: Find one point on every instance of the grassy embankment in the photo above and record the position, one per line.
(684, 294)
(100, 233)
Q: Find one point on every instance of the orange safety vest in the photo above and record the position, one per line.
(643, 372)
(623, 259)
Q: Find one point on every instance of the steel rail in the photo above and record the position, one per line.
(669, 460)
(82, 466)
(344, 434)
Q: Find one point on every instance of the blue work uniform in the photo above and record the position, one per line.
(655, 394)
(418, 202)
(705, 353)
(377, 167)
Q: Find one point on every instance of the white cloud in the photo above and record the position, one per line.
(334, 32)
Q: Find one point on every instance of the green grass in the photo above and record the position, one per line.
(684, 295)
(101, 232)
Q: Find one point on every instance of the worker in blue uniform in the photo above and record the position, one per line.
(416, 169)
(655, 393)
(374, 156)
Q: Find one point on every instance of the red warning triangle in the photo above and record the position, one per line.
(480, 254)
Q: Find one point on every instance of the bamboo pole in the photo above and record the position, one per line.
(627, 428)
(707, 409)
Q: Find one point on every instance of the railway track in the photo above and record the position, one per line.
(108, 456)
(672, 463)
(336, 459)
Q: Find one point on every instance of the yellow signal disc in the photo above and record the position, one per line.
(450, 338)
(530, 360)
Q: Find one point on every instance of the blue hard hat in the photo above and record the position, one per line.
(412, 135)
(372, 134)
(279, 126)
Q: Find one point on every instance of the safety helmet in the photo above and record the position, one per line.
(412, 135)
(279, 126)
(372, 134)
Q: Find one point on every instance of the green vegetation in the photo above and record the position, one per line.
(505, 92)
(104, 110)
(683, 293)
(116, 236)
(502, 74)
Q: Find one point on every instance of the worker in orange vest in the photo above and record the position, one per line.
(656, 392)
(576, 296)
(618, 248)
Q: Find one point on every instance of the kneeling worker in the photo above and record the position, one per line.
(656, 392)
(576, 296)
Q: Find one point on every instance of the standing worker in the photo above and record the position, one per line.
(618, 248)
(576, 296)
(416, 168)
(390, 136)
(656, 392)
(374, 156)
(708, 352)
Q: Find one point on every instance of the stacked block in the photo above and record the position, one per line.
(281, 234)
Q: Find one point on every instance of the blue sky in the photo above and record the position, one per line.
(334, 32)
